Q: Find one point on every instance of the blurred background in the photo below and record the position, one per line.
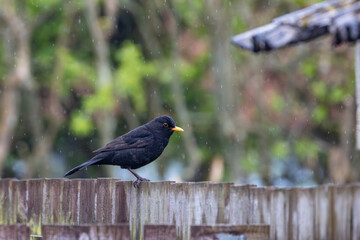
(76, 74)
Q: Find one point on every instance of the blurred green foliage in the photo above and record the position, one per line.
(129, 76)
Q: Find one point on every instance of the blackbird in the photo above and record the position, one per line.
(136, 148)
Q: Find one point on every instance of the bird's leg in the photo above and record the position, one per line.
(139, 179)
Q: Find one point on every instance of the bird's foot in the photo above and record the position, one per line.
(139, 180)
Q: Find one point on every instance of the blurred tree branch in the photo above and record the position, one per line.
(226, 83)
(19, 77)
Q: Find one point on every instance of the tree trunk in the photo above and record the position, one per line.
(222, 69)
(108, 123)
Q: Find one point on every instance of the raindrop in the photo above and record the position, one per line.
(149, 17)
(79, 20)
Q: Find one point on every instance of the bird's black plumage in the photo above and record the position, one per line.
(136, 148)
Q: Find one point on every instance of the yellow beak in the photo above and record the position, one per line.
(178, 129)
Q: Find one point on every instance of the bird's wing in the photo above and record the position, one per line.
(133, 139)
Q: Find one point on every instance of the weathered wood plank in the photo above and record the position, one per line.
(159, 232)
(5, 201)
(122, 201)
(341, 212)
(87, 231)
(239, 206)
(322, 215)
(248, 232)
(148, 204)
(279, 220)
(259, 205)
(301, 224)
(14, 232)
(180, 208)
(105, 200)
(87, 201)
(222, 196)
(19, 208)
(35, 204)
(69, 211)
(356, 211)
(52, 201)
(208, 202)
(68, 232)
(113, 232)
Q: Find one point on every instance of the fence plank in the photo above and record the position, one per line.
(301, 214)
(322, 206)
(248, 232)
(14, 232)
(356, 212)
(5, 200)
(341, 212)
(69, 211)
(113, 232)
(87, 231)
(149, 205)
(87, 201)
(279, 222)
(240, 204)
(159, 232)
(68, 232)
(19, 206)
(259, 205)
(35, 203)
(180, 208)
(52, 201)
(122, 201)
(105, 200)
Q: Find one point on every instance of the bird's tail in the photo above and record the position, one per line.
(92, 161)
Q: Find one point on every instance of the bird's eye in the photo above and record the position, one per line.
(165, 125)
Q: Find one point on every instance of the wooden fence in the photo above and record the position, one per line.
(110, 208)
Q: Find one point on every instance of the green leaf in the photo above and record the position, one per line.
(81, 124)
(320, 113)
(309, 68)
(305, 148)
(319, 89)
(250, 163)
(280, 149)
(103, 99)
(130, 74)
(277, 102)
(75, 71)
(337, 95)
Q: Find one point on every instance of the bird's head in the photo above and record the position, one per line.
(165, 125)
